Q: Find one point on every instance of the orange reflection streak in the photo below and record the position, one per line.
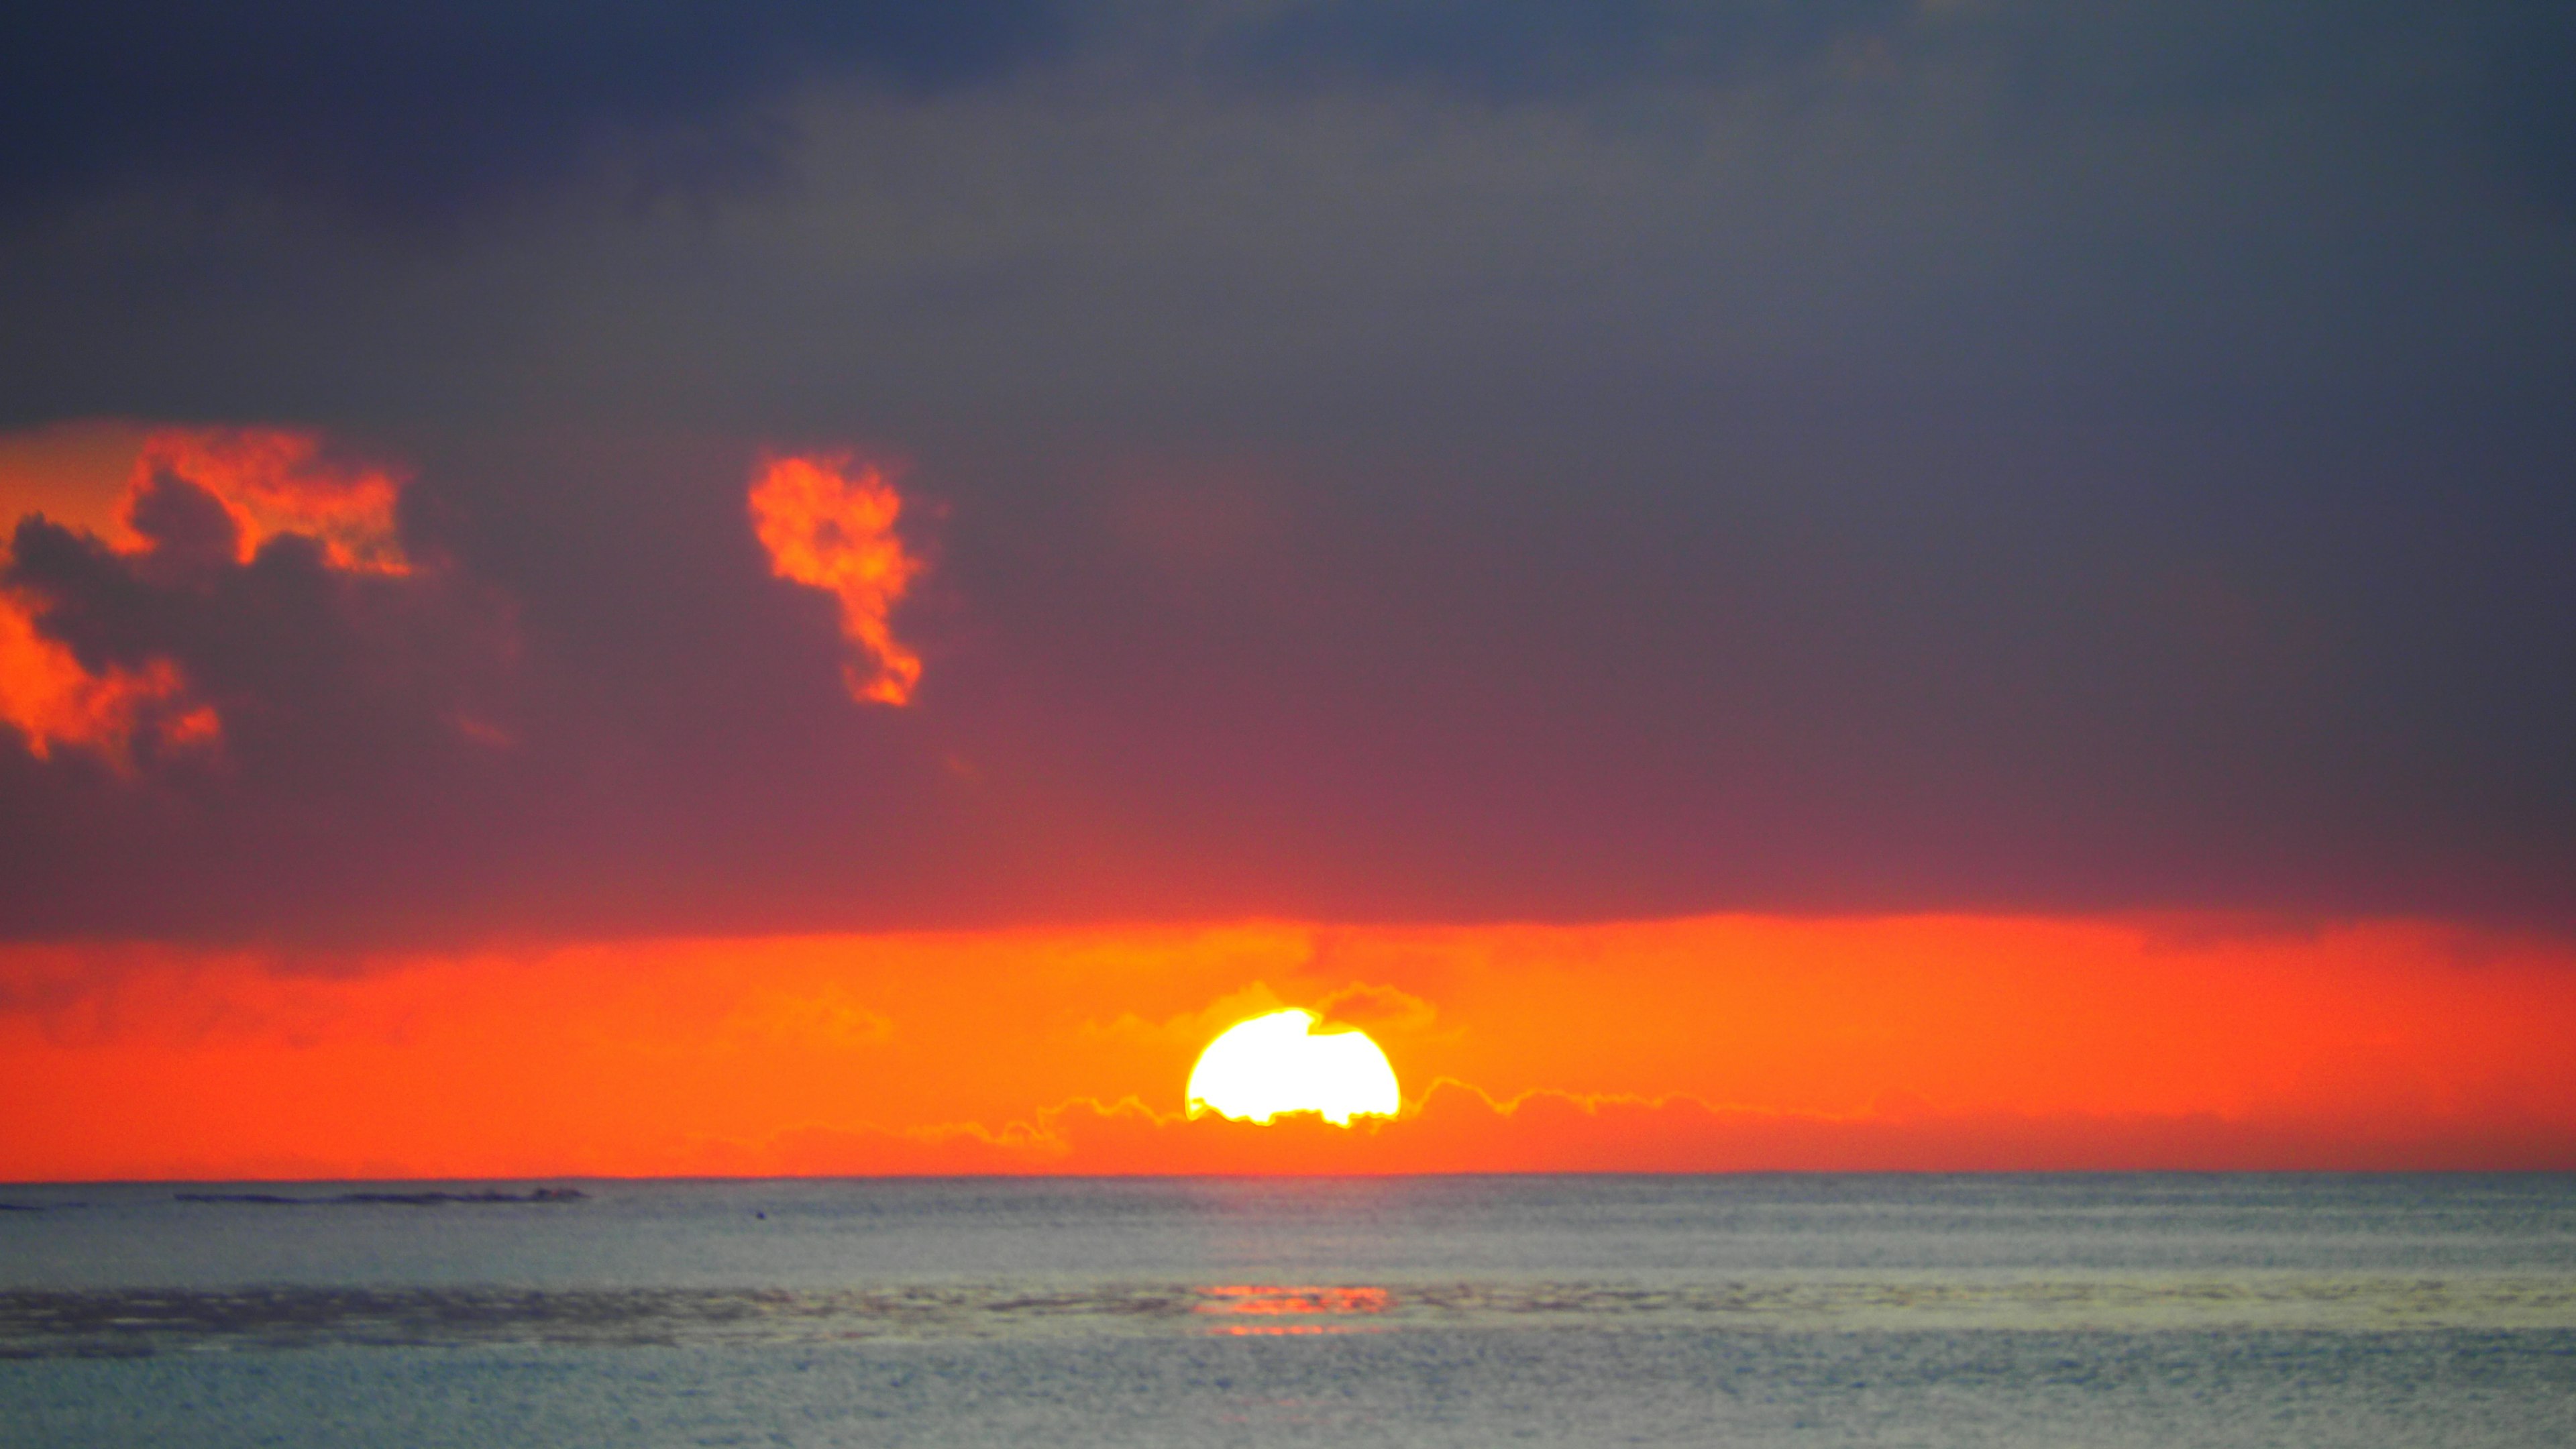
(51, 699)
(834, 530)
(1266, 1300)
(1271, 1298)
(272, 481)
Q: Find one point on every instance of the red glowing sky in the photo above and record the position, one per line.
(1953, 1040)
(1861, 585)
(1723, 1043)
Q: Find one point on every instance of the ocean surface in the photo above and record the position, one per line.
(2060, 1311)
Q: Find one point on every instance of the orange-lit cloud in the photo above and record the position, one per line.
(1689, 1045)
(832, 528)
(92, 478)
(1457, 1128)
(274, 481)
(52, 700)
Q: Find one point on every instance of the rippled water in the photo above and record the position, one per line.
(2057, 1310)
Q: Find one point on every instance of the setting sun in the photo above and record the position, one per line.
(1278, 1063)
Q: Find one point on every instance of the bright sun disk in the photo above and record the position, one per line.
(1257, 1069)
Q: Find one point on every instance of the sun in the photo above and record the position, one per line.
(1278, 1063)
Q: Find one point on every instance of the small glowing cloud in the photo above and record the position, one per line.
(1271, 1064)
(832, 529)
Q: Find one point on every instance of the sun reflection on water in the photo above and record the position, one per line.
(1272, 1301)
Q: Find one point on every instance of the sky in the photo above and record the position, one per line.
(802, 587)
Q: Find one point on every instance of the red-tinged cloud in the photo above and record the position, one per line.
(381, 704)
(194, 503)
(273, 481)
(205, 592)
(1458, 1128)
(204, 492)
(54, 700)
(830, 524)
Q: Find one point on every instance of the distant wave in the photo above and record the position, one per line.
(138, 1322)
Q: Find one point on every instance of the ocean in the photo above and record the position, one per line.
(1755, 1310)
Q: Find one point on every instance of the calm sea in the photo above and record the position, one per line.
(2165, 1310)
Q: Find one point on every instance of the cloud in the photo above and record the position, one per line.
(2533, 110)
(199, 503)
(2060, 65)
(55, 700)
(832, 529)
(413, 113)
(252, 649)
(1516, 50)
(568, 694)
(272, 481)
(409, 117)
(329, 667)
(1375, 1008)
(1432, 462)
(1456, 1128)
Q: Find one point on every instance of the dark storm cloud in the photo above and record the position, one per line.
(2066, 62)
(1473, 698)
(2491, 74)
(1405, 461)
(407, 113)
(2535, 106)
(1513, 50)
(412, 109)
